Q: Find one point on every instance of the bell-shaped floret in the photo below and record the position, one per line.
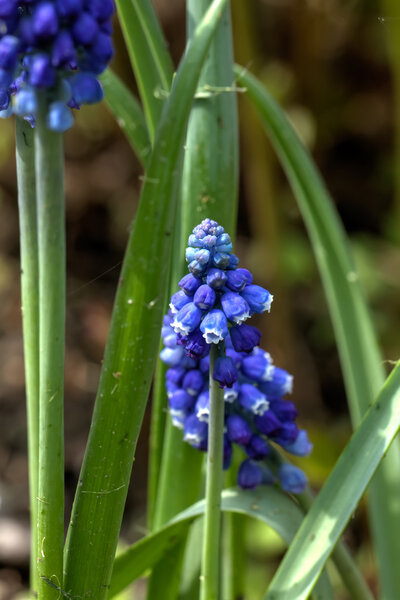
(249, 475)
(257, 298)
(238, 429)
(244, 337)
(293, 480)
(187, 319)
(214, 326)
(252, 399)
(225, 371)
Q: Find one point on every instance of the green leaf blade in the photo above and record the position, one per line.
(356, 338)
(339, 496)
(361, 361)
(128, 113)
(149, 57)
(133, 343)
(266, 504)
(209, 189)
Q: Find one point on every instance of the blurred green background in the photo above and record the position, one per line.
(335, 67)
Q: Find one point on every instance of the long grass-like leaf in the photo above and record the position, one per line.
(132, 343)
(128, 113)
(361, 361)
(210, 181)
(149, 56)
(268, 505)
(339, 496)
(209, 189)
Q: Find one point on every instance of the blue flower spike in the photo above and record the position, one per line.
(215, 301)
(48, 47)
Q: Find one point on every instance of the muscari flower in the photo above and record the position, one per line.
(56, 47)
(215, 299)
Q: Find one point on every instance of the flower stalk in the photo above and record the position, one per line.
(51, 245)
(30, 312)
(210, 568)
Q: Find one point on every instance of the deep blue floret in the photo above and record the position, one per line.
(85, 88)
(292, 479)
(238, 429)
(202, 408)
(187, 319)
(180, 402)
(195, 432)
(178, 301)
(189, 284)
(252, 399)
(45, 21)
(257, 448)
(258, 366)
(225, 371)
(249, 475)
(195, 344)
(204, 297)
(4, 100)
(193, 382)
(245, 337)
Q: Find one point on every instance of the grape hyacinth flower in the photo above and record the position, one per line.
(55, 48)
(214, 301)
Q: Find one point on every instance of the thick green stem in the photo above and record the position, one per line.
(30, 313)
(210, 568)
(51, 243)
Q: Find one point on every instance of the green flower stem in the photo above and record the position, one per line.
(210, 568)
(51, 244)
(30, 313)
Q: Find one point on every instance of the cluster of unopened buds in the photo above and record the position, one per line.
(215, 300)
(55, 46)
